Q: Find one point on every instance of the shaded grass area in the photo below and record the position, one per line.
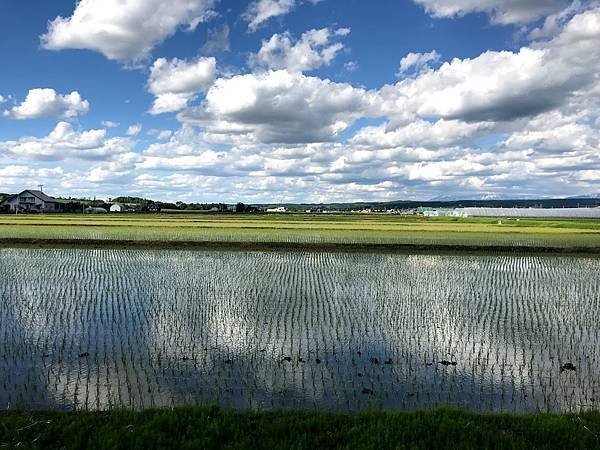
(209, 427)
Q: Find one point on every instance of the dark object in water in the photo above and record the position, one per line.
(389, 361)
(318, 361)
(287, 358)
(375, 360)
(445, 362)
(367, 391)
(84, 355)
(568, 366)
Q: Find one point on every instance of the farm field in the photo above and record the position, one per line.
(303, 231)
(95, 329)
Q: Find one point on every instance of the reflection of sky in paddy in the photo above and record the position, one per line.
(103, 328)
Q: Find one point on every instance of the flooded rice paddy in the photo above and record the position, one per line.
(95, 329)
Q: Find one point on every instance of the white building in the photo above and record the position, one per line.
(31, 201)
(558, 213)
(117, 207)
(279, 209)
(440, 212)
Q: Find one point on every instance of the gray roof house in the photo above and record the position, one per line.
(31, 201)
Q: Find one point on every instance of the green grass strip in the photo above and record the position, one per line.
(209, 427)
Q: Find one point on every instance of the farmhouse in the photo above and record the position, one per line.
(31, 201)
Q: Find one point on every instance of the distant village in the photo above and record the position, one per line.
(32, 201)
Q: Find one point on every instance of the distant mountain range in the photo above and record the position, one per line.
(454, 198)
(491, 196)
(451, 202)
(597, 196)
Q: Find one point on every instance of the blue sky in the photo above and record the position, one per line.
(301, 100)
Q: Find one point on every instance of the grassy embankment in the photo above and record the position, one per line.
(301, 231)
(206, 427)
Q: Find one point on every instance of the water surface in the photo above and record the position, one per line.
(94, 329)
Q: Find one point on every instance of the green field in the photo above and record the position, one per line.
(211, 428)
(303, 230)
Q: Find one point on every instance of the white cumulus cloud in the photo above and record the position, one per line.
(123, 29)
(279, 106)
(260, 11)
(500, 11)
(417, 61)
(134, 130)
(314, 49)
(48, 103)
(64, 142)
(420, 133)
(175, 82)
(504, 85)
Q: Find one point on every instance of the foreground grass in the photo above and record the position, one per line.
(208, 427)
(302, 229)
